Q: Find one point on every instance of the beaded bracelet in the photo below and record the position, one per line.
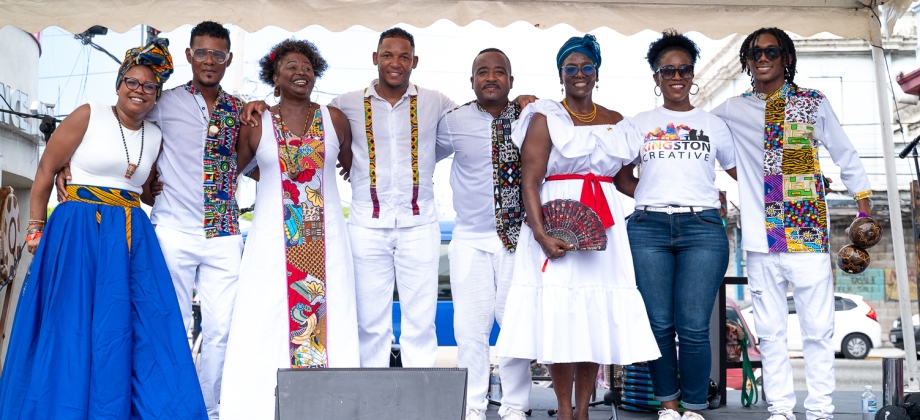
(36, 222)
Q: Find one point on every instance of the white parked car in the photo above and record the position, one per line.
(856, 327)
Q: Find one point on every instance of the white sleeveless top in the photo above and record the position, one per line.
(100, 158)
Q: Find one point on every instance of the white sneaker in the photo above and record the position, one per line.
(668, 414)
(782, 417)
(513, 414)
(472, 414)
(690, 415)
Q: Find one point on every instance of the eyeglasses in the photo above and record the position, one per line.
(587, 70)
(149, 88)
(772, 53)
(201, 54)
(668, 72)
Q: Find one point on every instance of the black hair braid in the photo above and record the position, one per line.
(671, 40)
(786, 46)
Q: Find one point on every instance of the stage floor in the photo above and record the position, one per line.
(543, 399)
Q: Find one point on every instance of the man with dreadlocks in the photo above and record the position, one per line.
(777, 130)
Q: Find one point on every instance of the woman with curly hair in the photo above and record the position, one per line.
(295, 307)
(678, 243)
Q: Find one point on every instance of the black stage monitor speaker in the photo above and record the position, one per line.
(377, 394)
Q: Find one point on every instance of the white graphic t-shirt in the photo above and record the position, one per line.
(678, 156)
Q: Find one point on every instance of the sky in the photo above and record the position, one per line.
(71, 74)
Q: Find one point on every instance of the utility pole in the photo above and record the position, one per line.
(151, 34)
(915, 219)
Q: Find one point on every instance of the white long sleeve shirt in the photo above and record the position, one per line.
(745, 117)
(392, 140)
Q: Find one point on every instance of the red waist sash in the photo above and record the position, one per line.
(591, 194)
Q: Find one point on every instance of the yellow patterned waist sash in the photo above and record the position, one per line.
(106, 196)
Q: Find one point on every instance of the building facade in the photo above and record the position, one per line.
(20, 140)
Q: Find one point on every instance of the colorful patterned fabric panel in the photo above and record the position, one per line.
(304, 240)
(506, 177)
(372, 151)
(221, 214)
(109, 197)
(796, 213)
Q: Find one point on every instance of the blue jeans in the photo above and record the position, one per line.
(680, 260)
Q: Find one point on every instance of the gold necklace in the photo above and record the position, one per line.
(585, 118)
(292, 170)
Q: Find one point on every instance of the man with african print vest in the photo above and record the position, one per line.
(485, 178)
(777, 131)
(393, 223)
(196, 216)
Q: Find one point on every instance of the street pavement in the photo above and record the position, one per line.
(852, 377)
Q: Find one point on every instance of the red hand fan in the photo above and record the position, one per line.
(574, 223)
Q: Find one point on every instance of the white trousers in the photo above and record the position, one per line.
(479, 282)
(410, 255)
(769, 275)
(214, 265)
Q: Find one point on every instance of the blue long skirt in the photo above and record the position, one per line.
(97, 332)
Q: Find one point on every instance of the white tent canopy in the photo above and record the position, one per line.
(713, 18)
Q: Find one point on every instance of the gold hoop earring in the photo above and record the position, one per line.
(657, 90)
(697, 89)
(277, 91)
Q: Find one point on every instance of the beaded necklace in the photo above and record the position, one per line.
(132, 167)
(293, 163)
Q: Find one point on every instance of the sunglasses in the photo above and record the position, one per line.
(587, 70)
(149, 88)
(668, 72)
(772, 53)
(201, 54)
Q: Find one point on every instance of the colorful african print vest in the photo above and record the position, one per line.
(221, 214)
(302, 160)
(506, 177)
(796, 212)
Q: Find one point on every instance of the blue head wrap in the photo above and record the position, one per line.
(586, 45)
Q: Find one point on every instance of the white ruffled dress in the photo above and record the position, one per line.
(585, 307)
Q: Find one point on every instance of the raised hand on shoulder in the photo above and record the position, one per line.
(251, 115)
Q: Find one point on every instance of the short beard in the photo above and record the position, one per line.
(208, 84)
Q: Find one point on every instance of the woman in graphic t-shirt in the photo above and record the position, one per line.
(678, 243)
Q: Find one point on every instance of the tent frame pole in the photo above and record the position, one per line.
(894, 202)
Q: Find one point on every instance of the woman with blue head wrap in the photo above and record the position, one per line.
(98, 332)
(586, 45)
(574, 312)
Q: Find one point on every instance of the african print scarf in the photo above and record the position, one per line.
(506, 177)
(221, 214)
(796, 212)
(304, 240)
